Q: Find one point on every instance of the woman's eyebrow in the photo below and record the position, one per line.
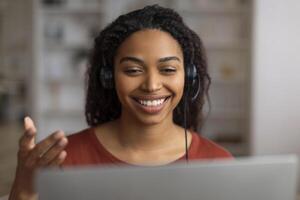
(133, 59)
(166, 59)
(141, 62)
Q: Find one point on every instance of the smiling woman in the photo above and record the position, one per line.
(146, 87)
(148, 60)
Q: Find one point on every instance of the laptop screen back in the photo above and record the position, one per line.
(262, 178)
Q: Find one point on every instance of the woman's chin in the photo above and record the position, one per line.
(153, 119)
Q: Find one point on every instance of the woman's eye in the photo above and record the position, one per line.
(168, 70)
(133, 71)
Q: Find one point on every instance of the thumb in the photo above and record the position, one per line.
(30, 130)
(29, 125)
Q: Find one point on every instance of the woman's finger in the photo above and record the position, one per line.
(27, 141)
(28, 124)
(53, 152)
(58, 160)
(42, 147)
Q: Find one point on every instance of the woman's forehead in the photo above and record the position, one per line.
(150, 43)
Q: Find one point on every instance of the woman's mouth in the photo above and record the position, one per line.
(151, 105)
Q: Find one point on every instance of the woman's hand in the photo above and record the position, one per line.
(49, 152)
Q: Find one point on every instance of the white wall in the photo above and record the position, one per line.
(275, 120)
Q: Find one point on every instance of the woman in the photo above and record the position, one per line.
(146, 86)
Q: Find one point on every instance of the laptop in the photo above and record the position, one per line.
(253, 178)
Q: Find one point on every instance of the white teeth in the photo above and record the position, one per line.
(151, 103)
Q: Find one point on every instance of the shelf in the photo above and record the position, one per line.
(229, 82)
(3, 6)
(75, 81)
(55, 46)
(62, 113)
(227, 48)
(221, 114)
(236, 46)
(237, 149)
(11, 87)
(55, 10)
(214, 11)
(216, 117)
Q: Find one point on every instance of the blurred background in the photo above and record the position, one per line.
(252, 48)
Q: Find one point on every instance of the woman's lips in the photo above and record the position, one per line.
(151, 106)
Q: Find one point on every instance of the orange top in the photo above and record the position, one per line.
(84, 148)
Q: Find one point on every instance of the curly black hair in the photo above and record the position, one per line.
(102, 105)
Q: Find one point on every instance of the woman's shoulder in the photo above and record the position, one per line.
(80, 138)
(82, 148)
(80, 141)
(203, 147)
(89, 133)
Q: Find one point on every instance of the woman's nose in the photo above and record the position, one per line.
(152, 82)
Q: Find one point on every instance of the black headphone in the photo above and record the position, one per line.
(192, 82)
(106, 77)
(191, 85)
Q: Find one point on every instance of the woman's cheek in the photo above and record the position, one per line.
(125, 86)
(177, 84)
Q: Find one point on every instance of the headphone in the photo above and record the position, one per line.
(106, 77)
(191, 80)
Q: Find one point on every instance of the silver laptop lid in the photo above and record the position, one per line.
(256, 178)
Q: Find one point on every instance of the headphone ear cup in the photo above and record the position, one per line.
(192, 78)
(106, 78)
(193, 75)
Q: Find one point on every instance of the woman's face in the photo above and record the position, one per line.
(149, 76)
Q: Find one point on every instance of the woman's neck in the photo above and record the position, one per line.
(137, 136)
